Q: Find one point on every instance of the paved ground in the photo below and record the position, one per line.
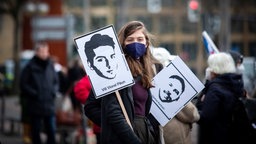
(10, 133)
(12, 111)
(10, 139)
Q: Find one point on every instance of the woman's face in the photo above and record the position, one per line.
(137, 36)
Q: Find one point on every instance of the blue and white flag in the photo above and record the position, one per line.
(208, 43)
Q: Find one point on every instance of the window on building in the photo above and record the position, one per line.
(166, 24)
(170, 47)
(236, 3)
(251, 2)
(188, 27)
(211, 23)
(98, 22)
(252, 24)
(237, 46)
(168, 3)
(208, 5)
(189, 51)
(241, 3)
(119, 21)
(147, 20)
(79, 24)
(139, 3)
(74, 3)
(98, 2)
(252, 49)
(236, 24)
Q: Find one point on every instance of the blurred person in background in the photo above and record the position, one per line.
(238, 59)
(178, 129)
(75, 73)
(39, 83)
(249, 101)
(240, 69)
(62, 73)
(223, 89)
(82, 89)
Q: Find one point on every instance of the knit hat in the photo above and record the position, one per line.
(221, 63)
(237, 57)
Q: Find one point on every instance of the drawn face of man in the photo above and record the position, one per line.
(104, 62)
(171, 91)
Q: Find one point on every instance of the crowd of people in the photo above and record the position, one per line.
(43, 79)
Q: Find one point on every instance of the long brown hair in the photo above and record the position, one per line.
(143, 67)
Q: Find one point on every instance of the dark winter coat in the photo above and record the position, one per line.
(106, 112)
(216, 108)
(111, 112)
(111, 119)
(39, 83)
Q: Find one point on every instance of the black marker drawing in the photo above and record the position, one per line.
(173, 91)
(103, 63)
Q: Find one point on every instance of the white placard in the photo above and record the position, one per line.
(175, 86)
(106, 67)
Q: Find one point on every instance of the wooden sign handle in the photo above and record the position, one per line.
(123, 108)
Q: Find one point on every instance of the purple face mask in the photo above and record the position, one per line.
(135, 50)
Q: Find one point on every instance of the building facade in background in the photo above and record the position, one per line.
(171, 26)
(168, 20)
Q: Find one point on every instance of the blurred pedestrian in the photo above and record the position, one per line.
(75, 73)
(240, 69)
(178, 129)
(62, 73)
(135, 42)
(82, 89)
(248, 100)
(162, 55)
(39, 83)
(238, 59)
(216, 106)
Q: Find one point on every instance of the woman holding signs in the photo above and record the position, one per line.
(135, 41)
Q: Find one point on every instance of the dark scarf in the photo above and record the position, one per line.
(42, 63)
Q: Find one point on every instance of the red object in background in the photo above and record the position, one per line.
(193, 4)
(59, 49)
(82, 90)
(54, 7)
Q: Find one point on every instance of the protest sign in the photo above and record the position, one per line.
(175, 86)
(104, 61)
